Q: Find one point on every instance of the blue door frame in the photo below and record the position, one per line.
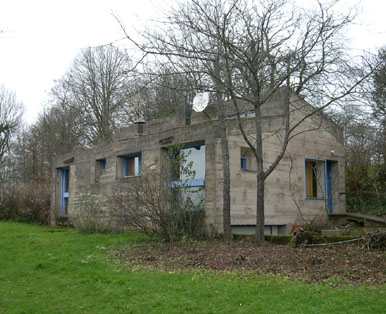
(329, 194)
(64, 177)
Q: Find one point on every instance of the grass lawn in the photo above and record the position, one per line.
(44, 270)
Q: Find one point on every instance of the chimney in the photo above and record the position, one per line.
(184, 112)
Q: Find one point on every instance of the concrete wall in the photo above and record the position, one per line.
(285, 195)
(285, 198)
(87, 179)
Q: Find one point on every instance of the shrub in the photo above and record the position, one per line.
(164, 205)
(315, 225)
(89, 217)
(29, 202)
(376, 240)
(147, 206)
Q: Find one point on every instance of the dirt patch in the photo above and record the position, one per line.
(349, 263)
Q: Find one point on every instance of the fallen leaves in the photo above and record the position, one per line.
(349, 263)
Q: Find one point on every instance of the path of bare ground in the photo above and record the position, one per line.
(350, 263)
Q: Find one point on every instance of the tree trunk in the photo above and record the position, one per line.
(259, 177)
(226, 170)
(226, 187)
(384, 142)
(259, 208)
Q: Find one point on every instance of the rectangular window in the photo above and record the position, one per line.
(102, 163)
(188, 166)
(131, 165)
(243, 162)
(314, 179)
(194, 162)
(247, 159)
(64, 190)
(100, 168)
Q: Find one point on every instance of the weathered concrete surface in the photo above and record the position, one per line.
(285, 199)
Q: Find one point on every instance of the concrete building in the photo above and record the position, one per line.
(308, 184)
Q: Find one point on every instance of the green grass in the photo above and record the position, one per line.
(45, 270)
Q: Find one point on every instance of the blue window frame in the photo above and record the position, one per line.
(194, 155)
(315, 179)
(131, 165)
(311, 169)
(243, 163)
(247, 160)
(102, 163)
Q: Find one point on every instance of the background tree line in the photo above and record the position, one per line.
(365, 141)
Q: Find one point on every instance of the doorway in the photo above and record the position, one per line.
(64, 190)
(331, 165)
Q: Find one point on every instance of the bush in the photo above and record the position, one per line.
(376, 240)
(163, 204)
(28, 202)
(147, 206)
(314, 226)
(89, 216)
(302, 238)
(369, 202)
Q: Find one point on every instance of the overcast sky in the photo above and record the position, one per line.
(42, 37)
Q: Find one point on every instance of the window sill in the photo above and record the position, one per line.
(314, 199)
(190, 183)
(248, 171)
(127, 178)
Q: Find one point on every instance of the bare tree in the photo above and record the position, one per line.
(263, 49)
(10, 119)
(161, 92)
(98, 86)
(273, 50)
(192, 48)
(379, 97)
(27, 166)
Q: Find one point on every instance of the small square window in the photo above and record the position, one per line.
(131, 165)
(102, 163)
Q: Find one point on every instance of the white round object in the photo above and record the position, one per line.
(200, 101)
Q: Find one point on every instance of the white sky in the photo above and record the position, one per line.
(42, 37)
